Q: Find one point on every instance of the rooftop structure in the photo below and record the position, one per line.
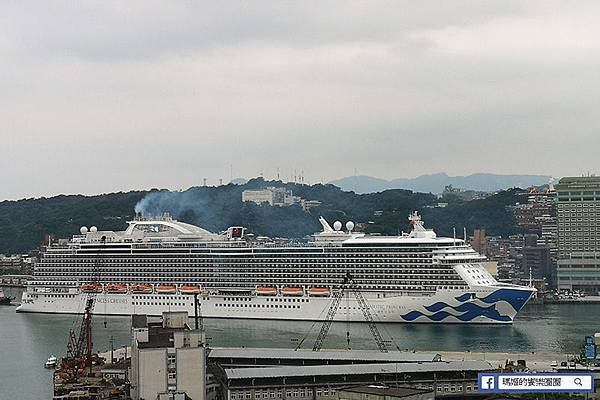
(357, 369)
(269, 357)
(379, 392)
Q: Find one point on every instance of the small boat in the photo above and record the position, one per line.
(141, 288)
(169, 289)
(5, 300)
(189, 289)
(317, 291)
(91, 288)
(51, 362)
(266, 291)
(116, 288)
(292, 291)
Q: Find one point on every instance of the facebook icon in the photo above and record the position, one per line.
(487, 382)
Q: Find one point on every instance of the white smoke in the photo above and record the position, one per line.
(191, 205)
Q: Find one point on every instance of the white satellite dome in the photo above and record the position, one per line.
(93, 229)
(337, 225)
(349, 225)
(83, 230)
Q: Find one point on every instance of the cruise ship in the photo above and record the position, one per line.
(161, 264)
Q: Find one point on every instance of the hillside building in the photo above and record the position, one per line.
(536, 261)
(538, 210)
(274, 196)
(479, 241)
(19, 263)
(549, 238)
(308, 205)
(278, 197)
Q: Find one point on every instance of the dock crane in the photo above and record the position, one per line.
(80, 346)
(346, 287)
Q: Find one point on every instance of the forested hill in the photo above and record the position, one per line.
(25, 223)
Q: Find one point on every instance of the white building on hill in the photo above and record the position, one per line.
(278, 197)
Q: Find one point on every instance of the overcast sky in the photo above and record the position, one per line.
(105, 96)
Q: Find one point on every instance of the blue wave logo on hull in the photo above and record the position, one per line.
(470, 311)
(516, 298)
(463, 297)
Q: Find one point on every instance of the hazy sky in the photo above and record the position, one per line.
(104, 96)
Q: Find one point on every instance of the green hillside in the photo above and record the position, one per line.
(24, 223)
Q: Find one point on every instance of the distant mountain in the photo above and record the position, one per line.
(435, 183)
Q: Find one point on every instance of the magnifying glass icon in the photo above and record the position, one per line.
(577, 381)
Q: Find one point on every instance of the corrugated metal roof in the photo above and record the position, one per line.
(357, 369)
(351, 355)
(385, 391)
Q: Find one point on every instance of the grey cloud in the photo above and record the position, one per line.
(139, 29)
(102, 96)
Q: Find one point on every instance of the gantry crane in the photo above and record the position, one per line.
(346, 287)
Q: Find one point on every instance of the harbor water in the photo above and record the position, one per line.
(27, 340)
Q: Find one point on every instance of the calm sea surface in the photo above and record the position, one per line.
(27, 340)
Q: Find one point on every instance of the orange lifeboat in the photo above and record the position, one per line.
(91, 288)
(316, 291)
(116, 288)
(266, 291)
(189, 289)
(141, 288)
(170, 289)
(292, 291)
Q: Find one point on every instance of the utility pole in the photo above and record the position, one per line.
(112, 349)
(196, 310)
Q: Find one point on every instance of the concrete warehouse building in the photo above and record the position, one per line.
(322, 382)
(168, 359)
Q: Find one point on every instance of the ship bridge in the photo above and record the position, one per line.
(418, 235)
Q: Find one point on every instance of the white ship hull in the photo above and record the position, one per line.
(411, 278)
(496, 305)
